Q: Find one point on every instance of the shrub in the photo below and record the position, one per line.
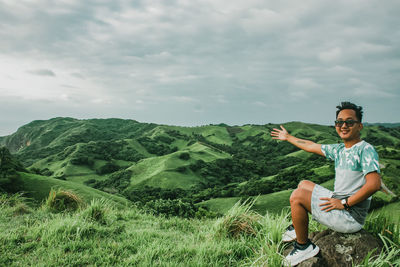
(11, 200)
(21, 209)
(62, 200)
(181, 169)
(240, 221)
(390, 256)
(97, 210)
(174, 207)
(381, 224)
(109, 167)
(184, 156)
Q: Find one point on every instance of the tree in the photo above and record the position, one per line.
(9, 166)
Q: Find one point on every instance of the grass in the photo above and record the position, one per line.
(98, 234)
(273, 203)
(239, 221)
(215, 134)
(38, 187)
(162, 171)
(120, 237)
(62, 200)
(390, 211)
(389, 232)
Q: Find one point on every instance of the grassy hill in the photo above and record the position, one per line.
(170, 171)
(272, 203)
(191, 172)
(37, 187)
(209, 163)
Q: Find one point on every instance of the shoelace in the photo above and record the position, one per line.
(294, 251)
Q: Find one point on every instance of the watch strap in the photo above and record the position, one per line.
(346, 204)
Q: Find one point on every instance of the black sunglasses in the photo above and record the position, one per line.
(349, 123)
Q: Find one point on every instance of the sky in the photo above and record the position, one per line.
(193, 63)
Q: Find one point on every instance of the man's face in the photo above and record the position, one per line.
(346, 132)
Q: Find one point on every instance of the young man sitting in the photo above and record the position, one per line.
(356, 179)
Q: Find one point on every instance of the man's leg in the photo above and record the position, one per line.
(300, 204)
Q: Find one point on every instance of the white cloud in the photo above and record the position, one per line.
(42, 72)
(260, 104)
(342, 70)
(330, 55)
(263, 21)
(183, 99)
(303, 88)
(132, 57)
(365, 89)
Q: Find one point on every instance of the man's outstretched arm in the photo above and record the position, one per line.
(306, 145)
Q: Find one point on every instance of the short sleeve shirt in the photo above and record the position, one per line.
(351, 166)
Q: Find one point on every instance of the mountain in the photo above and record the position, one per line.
(145, 161)
(387, 125)
(190, 172)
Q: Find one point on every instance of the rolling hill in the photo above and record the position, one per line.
(207, 164)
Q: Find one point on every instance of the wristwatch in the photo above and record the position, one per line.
(345, 204)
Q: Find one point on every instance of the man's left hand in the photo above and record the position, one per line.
(331, 204)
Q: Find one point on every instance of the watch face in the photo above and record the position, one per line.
(343, 201)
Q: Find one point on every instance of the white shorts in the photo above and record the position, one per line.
(337, 220)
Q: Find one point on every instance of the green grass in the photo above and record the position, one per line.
(390, 211)
(162, 171)
(38, 187)
(299, 154)
(124, 238)
(101, 235)
(252, 130)
(215, 134)
(220, 205)
(273, 203)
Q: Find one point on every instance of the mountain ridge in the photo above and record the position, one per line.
(128, 157)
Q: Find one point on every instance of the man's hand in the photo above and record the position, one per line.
(306, 145)
(280, 134)
(331, 204)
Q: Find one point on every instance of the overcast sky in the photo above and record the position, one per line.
(198, 62)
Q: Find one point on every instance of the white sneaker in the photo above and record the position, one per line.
(298, 255)
(289, 235)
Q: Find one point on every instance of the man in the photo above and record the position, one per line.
(357, 178)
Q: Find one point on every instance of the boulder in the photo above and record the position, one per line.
(342, 250)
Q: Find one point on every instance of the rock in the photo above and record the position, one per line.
(313, 262)
(342, 250)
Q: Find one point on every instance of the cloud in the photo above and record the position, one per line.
(199, 61)
(42, 72)
(183, 99)
(365, 89)
(260, 104)
(78, 75)
(331, 54)
(303, 88)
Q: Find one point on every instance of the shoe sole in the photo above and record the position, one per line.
(314, 252)
(289, 238)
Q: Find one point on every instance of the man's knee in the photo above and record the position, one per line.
(301, 196)
(306, 184)
(296, 195)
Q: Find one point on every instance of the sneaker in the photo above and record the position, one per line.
(289, 235)
(301, 253)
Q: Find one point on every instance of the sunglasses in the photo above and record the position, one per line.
(349, 123)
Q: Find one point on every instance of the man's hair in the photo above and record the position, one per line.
(349, 105)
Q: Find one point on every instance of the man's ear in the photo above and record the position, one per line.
(361, 126)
